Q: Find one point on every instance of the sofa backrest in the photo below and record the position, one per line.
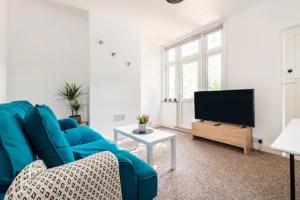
(17, 107)
(15, 150)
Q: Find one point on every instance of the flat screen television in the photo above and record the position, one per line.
(227, 106)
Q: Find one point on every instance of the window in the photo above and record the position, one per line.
(194, 64)
(214, 63)
(171, 55)
(189, 79)
(171, 61)
(190, 48)
(214, 60)
(172, 82)
(214, 39)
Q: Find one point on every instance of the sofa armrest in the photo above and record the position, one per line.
(67, 123)
(82, 135)
(94, 177)
(128, 178)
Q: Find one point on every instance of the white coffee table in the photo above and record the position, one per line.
(149, 140)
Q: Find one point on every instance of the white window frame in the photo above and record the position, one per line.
(211, 52)
(167, 66)
(201, 57)
(188, 59)
(178, 62)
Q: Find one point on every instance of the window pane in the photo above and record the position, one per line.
(190, 48)
(171, 55)
(172, 82)
(214, 64)
(189, 79)
(214, 39)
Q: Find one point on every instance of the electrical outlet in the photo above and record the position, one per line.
(119, 117)
(257, 140)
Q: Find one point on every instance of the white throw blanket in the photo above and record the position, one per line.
(94, 177)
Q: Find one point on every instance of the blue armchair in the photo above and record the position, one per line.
(138, 179)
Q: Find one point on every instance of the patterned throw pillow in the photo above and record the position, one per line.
(94, 177)
(29, 172)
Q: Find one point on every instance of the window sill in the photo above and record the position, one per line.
(169, 101)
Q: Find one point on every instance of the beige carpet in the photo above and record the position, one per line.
(214, 171)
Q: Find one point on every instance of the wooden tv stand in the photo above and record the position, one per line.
(226, 133)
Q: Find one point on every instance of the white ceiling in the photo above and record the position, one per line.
(167, 22)
(162, 22)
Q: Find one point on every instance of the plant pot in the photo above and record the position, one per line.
(77, 117)
(142, 128)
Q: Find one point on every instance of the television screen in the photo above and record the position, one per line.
(227, 106)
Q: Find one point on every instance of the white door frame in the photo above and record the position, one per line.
(288, 62)
(189, 59)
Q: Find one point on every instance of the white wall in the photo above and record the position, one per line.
(3, 47)
(255, 58)
(254, 48)
(168, 113)
(114, 86)
(117, 89)
(48, 44)
(151, 80)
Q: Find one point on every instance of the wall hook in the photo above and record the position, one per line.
(100, 42)
(128, 64)
(113, 54)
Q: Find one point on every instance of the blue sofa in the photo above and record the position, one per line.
(138, 179)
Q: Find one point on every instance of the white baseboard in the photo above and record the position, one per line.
(265, 148)
(166, 125)
(155, 124)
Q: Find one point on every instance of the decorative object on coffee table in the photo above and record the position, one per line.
(147, 131)
(71, 92)
(143, 120)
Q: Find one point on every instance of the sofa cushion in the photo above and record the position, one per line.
(15, 151)
(84, 150)
(46, 137)
(17, 107)
(82, 135)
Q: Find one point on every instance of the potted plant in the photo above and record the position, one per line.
(75, 106)
(143, 120)
(71, 93)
